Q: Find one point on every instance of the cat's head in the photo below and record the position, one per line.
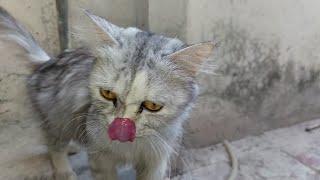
(147, 78)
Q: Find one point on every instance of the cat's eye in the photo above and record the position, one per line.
(108, 95)
(151, 106)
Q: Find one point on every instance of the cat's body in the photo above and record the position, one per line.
(139, 69)
(59, 91)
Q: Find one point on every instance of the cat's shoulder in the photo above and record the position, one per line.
(69, 58)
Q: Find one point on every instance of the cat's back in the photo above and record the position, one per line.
(59, 87)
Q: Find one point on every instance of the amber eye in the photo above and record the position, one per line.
(108, 95)
(151, 106)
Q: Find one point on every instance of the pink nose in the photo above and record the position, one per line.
(122, 129)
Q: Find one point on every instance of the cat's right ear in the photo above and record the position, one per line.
(192, 57)
(104, 32)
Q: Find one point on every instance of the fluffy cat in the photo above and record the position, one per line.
(131, 80)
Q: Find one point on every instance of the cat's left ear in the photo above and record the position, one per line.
(191, 58)
(105, 33)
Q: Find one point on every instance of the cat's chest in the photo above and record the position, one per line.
(129, 152)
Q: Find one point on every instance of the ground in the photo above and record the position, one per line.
(284, 154)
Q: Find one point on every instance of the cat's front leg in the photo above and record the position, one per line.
(103, 166)
(61, 165)
(154, 169)
(58, 153)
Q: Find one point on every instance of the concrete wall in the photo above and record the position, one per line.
(20, 136)
(40, 17)
(168, 17)
(268, 55)
(268, 63)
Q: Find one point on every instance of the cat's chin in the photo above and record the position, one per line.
(137, 139)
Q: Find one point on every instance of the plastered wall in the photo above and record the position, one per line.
(267, 57)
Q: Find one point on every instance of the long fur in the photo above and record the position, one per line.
(10, 29)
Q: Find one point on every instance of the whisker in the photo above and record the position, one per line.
(158, 135)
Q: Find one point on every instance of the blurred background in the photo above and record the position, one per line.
(268, 59)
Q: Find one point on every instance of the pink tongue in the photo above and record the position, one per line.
(122, 129)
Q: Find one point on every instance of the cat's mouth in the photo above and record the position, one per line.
(122, 129)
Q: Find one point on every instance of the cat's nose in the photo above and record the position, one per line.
(122, 129)
(130, 111)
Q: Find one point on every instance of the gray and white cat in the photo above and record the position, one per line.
(135, 81)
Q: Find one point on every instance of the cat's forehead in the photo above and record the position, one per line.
(141, 50)
(138, 51)
(142, 45)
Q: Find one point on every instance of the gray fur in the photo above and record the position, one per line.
(65, 91)
(11, 30)
(59, 91)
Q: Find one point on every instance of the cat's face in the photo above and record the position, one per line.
(144, 77)
(154, 97)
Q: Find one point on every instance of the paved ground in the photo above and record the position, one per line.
(283, 154)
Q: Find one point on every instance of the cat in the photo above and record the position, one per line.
(124, 96)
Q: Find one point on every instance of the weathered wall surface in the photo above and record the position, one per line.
(268, 55)
(40, 18)
(268, 59)
(168, 17)
(21, 141)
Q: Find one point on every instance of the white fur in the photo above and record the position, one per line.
(136, 93)
(36, 54)
(131, 31)
(10, 29)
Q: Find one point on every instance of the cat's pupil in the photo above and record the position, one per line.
(114, 102)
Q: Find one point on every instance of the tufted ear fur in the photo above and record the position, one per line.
(98, 33)
(192, 57)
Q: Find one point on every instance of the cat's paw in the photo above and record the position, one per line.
(65, 176)
(73, 148)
